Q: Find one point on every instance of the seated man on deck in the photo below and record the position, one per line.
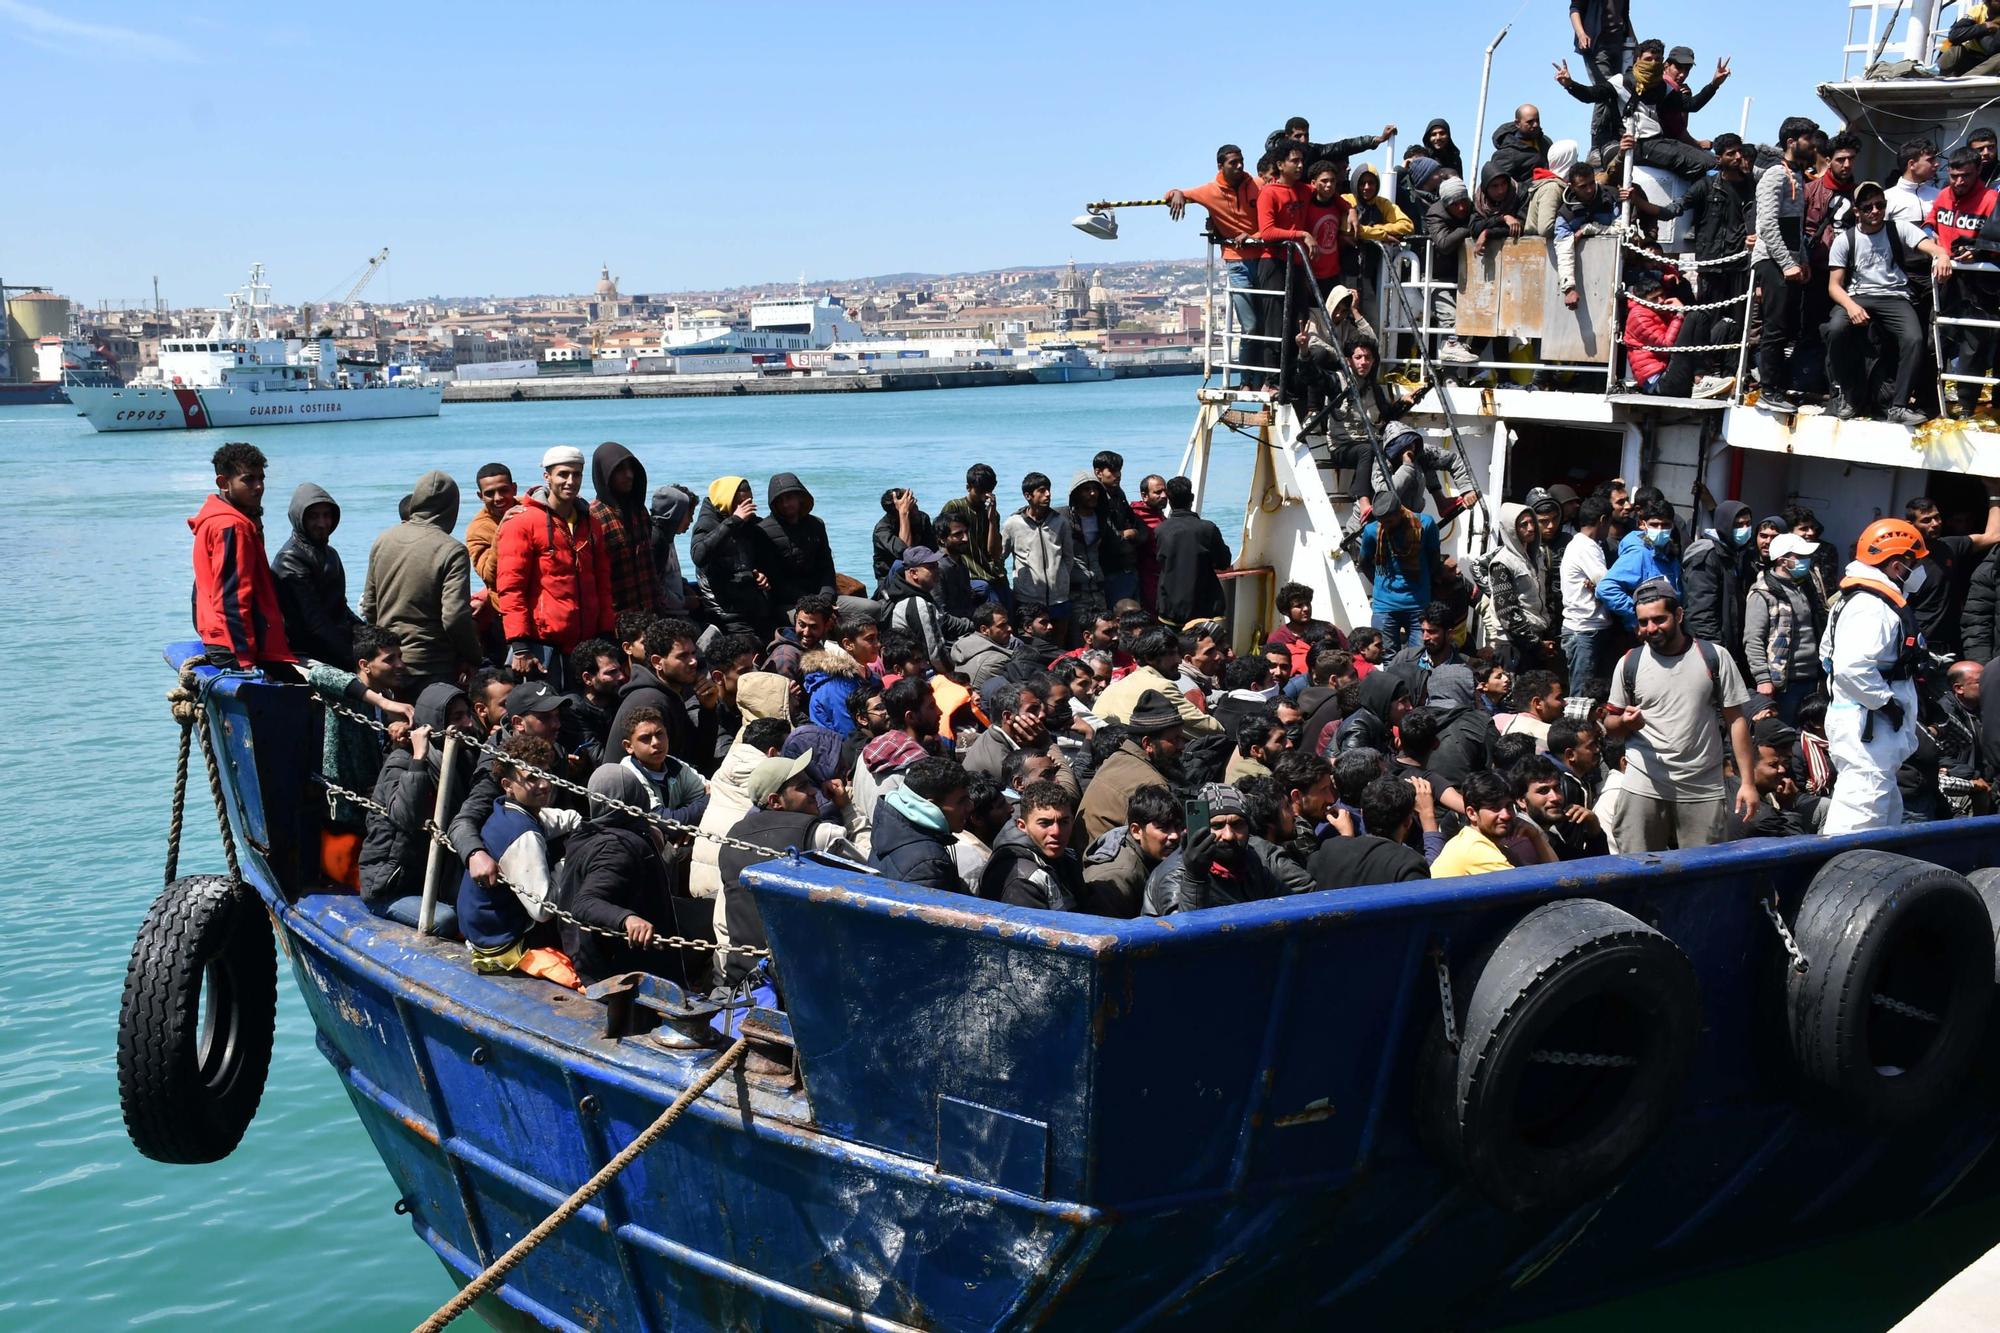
(784, 813)
(508, 921)
(1871, 292)
(612, 878)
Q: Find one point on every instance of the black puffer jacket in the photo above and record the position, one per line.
(1517, 154)
(1367, 727)
(802, 556)
(312, 588)
(730, 552)
(1020, 877)
(1980, 625)
(902, 850)
(1715, 579)
(610, 871)
(394, 849)
(1191, 878)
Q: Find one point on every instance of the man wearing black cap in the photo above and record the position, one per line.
(1147, 759)
(911, 608)
(1645, 96)
(1784, 808)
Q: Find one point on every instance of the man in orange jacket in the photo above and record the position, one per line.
(554, 584)
(235, 597)
(1231, 201)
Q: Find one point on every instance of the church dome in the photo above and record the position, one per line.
(606, 284)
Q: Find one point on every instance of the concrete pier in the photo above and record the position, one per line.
(567, 388)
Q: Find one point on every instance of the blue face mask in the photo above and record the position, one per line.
(1657, 537)
(1802, 572)
(1742, 536)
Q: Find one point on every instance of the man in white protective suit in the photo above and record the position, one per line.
(1871, 652)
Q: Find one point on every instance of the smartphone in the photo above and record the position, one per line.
(1197, 816)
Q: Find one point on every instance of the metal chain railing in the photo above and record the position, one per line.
(438, 835)
(1582, 1060)
(1683, 263)
(1444, 999)
(1896, 1006)
(486, 747)
(1800, 964)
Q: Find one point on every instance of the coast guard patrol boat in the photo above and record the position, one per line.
(241, 374)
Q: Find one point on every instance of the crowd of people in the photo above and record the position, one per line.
(1835, 281)
(1043, 708)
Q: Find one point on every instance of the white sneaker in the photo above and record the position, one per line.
(1456, 353)
(1713, 386)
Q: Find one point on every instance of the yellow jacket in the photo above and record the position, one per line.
(1396, 225)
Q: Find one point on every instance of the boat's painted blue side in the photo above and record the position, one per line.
(1012, 1118)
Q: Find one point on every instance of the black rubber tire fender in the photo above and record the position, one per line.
(1891, 1011)
(1581, 978)
(1986, 883)
(190, 1074)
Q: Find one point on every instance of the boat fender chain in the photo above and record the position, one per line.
(1444, 997)
(437, 835)
(499, 1268)
(185, 702)
(1800, 964)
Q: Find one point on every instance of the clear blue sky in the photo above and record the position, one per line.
(509, 148)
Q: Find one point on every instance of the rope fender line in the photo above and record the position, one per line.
(499, 1268)
(185, 702)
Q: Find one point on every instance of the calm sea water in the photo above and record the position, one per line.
(295, 1230)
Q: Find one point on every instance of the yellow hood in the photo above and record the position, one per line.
(722, 492)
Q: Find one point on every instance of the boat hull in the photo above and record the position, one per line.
(1014, 1119)
(1072, 374)
(131, 408)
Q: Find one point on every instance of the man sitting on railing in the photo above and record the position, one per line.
(1448, 225)
(1972, 46)
(1868, 286)
(1643, 94)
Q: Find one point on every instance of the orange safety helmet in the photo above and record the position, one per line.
(1887, 538)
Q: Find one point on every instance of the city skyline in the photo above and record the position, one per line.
(514, 150)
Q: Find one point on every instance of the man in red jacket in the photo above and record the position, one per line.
(554, 583)
(235, 597)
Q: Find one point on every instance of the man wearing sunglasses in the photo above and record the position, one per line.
(1870, 293)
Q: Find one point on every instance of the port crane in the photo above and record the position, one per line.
(368, 272)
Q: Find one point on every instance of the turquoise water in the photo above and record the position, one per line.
(295, 1230)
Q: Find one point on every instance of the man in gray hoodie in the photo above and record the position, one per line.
(419, 587)
(673, 512)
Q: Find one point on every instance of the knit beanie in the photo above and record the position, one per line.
(1453, 191)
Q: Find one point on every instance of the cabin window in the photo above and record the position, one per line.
(1543, 454)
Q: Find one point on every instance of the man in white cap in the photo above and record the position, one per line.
(553, 584)
(1783, 619)
(783, 816)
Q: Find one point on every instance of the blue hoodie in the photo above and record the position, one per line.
(1636, 563)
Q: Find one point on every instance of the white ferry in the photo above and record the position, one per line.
(1596, 425)
(240, 374)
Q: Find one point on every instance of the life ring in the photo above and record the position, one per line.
(195, 1024)
(1577, 1031)
(1891, 1009)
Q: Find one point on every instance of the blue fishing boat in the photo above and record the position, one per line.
(1442, 1104)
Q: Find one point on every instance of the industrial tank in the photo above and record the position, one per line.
(32, 316)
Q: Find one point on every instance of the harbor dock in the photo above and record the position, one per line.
(580, 387)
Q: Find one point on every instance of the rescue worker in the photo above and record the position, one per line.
(1871, 652)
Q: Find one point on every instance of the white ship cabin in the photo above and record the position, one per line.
(1585, 421)
(240, 352)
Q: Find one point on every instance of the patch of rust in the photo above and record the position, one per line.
(1311, 1113)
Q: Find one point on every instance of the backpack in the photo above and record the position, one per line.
(1628, 668)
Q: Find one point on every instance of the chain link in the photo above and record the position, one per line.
(493, 751)
(1896, 1006)
(438, 836)
(1583, 1061)
(1625, 235)
(1680, 309)
(1800, 964)
(1444, 999)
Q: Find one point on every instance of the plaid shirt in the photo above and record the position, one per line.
(635, 582)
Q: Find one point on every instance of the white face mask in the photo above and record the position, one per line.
(1915, 580)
